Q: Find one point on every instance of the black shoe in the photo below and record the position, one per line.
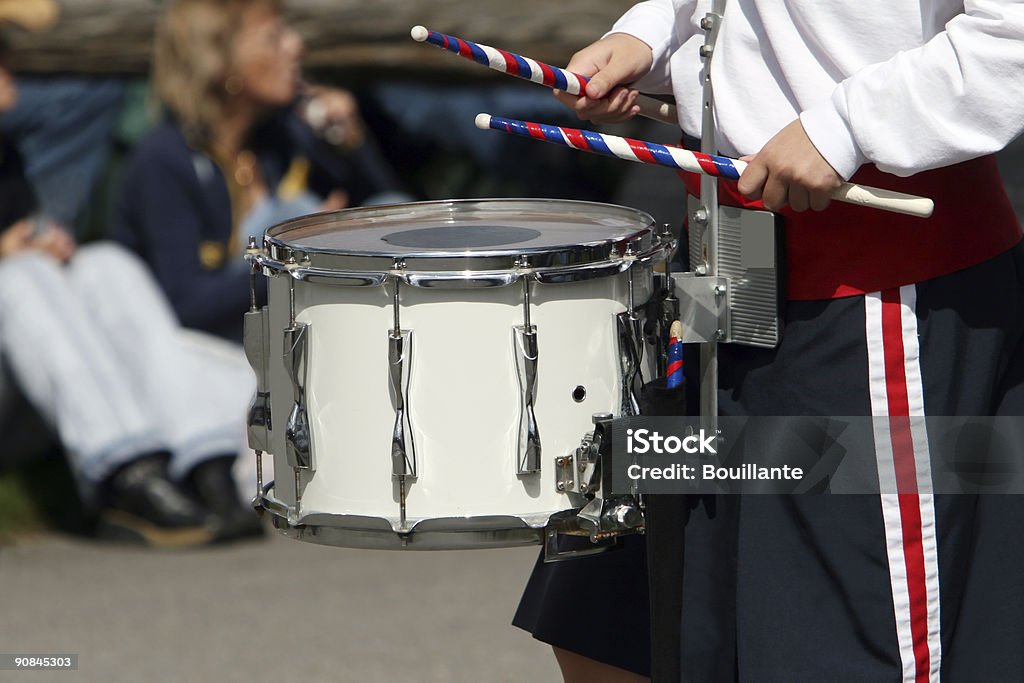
(214, 484)
(140, 504)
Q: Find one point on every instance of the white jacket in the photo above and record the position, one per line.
(906, 84)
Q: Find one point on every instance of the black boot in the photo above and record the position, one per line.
(215, 485)
(140, 504)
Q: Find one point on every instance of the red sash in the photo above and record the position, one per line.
(848, 249)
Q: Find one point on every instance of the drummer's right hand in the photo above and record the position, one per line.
(611, 63)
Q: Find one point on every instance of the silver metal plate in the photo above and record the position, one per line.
(748, 259)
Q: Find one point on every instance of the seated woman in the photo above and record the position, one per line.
(235, 156)
(150, 417)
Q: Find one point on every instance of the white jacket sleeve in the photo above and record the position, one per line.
(957, 97)
(662, 24)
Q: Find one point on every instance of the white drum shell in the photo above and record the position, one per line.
(464, 395)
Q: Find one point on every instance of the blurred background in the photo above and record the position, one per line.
(273, 607)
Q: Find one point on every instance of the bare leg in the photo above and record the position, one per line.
(579, 669)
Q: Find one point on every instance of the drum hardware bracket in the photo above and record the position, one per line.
(629, 361)
(297, 437)
(256, 341)
(528, 447)
(748, 245)
(701, 304)
(608, 514)
(403, 453)
(587, 471)
(524, 341)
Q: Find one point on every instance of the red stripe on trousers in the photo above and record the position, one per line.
(906, 477)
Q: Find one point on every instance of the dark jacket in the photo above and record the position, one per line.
(174, 200)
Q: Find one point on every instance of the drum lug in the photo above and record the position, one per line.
(403, 453)
(297, 438)
(256, 339)
(629, 361)
(528, 446)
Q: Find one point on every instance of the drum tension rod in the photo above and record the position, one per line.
(526, 357)
(296, 352)
(403, 453)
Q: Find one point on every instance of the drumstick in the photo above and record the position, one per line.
(532, 70)
(694, 162)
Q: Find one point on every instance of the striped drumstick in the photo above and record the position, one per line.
(532, 70)
(694, 162)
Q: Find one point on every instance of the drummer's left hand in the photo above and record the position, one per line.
(790, 170)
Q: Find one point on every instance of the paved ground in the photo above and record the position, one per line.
(278, 610)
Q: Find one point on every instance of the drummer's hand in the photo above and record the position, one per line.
(790, 170)
(611, 63)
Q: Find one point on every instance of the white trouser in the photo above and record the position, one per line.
(98, 352)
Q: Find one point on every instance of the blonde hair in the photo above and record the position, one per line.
(192, 60)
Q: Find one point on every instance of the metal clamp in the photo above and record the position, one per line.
(703, 303)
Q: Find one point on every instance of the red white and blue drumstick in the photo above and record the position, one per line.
(532, 70)
(694, 162)
(674, 372)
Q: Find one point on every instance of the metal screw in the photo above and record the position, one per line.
(719, 334)
(719, 290)
(708, 22)
(706, 51)
(701, 269)
(700, 216)
(561, 486)
(584, 488)
(560, 461)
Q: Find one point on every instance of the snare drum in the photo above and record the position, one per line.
(422, 367)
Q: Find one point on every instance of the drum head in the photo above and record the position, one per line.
(489, 234)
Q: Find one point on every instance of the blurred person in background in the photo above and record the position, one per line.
(61, 125)
(246, 145)
(151, 417)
